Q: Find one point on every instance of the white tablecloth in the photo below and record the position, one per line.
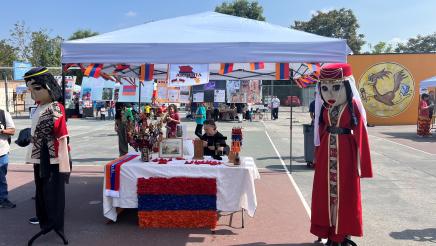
(235, 185)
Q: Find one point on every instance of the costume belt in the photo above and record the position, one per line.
(338, 130)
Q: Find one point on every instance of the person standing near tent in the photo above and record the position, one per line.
(172, 120)
(121, 128)
(342, 159)
(275, 104)
(48, 151)
(7, 129)
(424, 120)
(200, 117)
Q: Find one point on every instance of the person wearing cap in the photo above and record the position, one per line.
(342, 157)
(48, 151)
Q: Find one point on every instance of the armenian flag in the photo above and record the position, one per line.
(257, 66)
(129, 90)
(282, 71)
(314, 67)
(146, 72)
(112, 173)
(178, 202)
(226, 68)
(93, 70)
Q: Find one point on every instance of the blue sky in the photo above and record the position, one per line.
(382, 20)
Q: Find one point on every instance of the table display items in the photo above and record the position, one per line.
(144, 136)
(198, 149)
(236, 145)
(178, 202)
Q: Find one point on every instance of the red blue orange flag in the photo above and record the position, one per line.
(282, 71)
(146, 72)
(314, 67)
(257, 65)
(226, 68)
(93, 70)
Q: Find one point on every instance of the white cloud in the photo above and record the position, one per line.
(397, 40)
(131, 13)
(324, 10)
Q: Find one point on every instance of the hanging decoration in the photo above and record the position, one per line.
(256, 66)
(226, 68)
(146, 72)
(93, 70)
(282, 71)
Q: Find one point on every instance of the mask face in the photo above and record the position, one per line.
(38, 93)
(334, 93)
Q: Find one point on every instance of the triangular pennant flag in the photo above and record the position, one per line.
(226, 68)
(121, 67)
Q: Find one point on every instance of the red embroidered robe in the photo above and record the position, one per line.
(339, 167)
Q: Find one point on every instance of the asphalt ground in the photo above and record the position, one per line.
(398, 203)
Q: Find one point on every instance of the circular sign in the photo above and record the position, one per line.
(386, 89)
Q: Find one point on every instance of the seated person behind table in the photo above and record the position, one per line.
(212, 138)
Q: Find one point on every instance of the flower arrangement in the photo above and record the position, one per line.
(144, 136)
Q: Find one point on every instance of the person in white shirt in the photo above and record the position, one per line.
(7, 129)
(275, 104)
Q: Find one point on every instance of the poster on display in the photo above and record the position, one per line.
(187, 74)
(209, 86)
(253, 90)
(20, 68)
(220, 96)
(70, 82)
(198, 97)
(130, 93)
(184, 94)
(102, 89)
(234, 92)
(162, 92)
(173, 95)
(244, 91)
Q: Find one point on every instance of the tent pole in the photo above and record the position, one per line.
(139, 106)
(63, 89)
(290, 139)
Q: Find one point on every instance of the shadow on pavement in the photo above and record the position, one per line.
(409, 136)
(422, 235)
(295, 168)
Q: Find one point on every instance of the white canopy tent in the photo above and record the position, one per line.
(430, 82)
(207, 38)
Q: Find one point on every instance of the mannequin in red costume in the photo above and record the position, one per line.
(343, 157)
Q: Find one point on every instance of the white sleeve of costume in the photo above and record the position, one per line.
(64, 160)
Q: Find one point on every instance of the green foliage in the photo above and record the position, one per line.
(8, 53)
(382, 47)
(419, 44)
(82, 33)
(340, 23)
(46, 51)
(242, 8)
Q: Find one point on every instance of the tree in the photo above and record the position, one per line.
(20, 38)
(82, 33)
(382, 47)
(8, 53)
(340, 23)
(242, 8)
(418, 44)
(45, 51)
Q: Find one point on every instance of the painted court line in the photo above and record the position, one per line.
(306, 206)
(407, 146)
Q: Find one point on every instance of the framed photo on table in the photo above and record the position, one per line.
(171, 148)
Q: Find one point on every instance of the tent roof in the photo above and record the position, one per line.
(207, 37)
(430, 82)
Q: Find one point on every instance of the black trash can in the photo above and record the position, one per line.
(309, 146)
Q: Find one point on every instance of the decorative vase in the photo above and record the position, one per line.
(145, 154)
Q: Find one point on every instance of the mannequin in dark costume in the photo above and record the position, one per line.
(48, 151)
